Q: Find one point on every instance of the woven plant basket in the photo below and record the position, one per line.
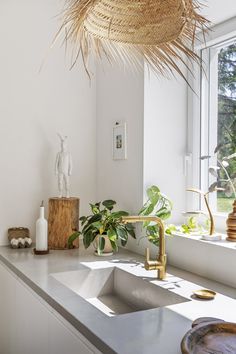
(159, 31)
(18, 232)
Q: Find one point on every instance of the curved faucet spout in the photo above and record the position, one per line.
(160, 263)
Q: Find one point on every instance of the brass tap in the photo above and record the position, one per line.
(160, 263)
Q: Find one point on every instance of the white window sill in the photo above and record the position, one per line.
(212, 260)
(222, 243)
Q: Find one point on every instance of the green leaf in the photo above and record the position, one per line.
(153, 239)
(83, 218)
(114, 245)
(148, 210)
(88, 238)
(94, 208)
(231, 156)
(109, 204)
(111, 233)
(163, 213)
(72, 238)
(192, 222)
(130, 229)
(112, 238)
(146, 223)
(124, 242)
(153, 230)
(101, 245)
(185, 229)
(153, 190)
(121, 232)
(144, 208)
(94, 218)
(119, 214)
(213, 187)
(218, 147)
(153, 194)
(170, 228)
(98, 225)
(168, 203)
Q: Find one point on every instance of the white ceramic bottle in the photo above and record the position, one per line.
(41, 231)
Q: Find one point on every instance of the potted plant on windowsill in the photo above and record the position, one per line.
(157, 204)
(104, 228)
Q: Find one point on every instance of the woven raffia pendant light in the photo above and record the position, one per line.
(158, 31)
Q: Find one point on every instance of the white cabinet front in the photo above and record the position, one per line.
(29, 326)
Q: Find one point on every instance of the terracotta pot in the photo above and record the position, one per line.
(231, 225)
(107, 248)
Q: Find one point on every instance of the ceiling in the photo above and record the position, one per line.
(219, 10)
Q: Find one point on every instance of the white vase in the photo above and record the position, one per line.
(108, 251)
(41, 232)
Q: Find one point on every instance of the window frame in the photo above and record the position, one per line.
(196, 147)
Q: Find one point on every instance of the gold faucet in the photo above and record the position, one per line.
(160, 263)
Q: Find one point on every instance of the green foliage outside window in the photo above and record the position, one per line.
(227, 118)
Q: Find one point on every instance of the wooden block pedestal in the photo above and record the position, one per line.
(63, 221)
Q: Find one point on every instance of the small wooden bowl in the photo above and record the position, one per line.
(205, 294)
(210, 336)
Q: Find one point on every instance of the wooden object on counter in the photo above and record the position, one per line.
(18, 232)
(209, 335)
(63, 221)
(231, 225)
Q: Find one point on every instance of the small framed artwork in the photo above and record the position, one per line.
(119, 142)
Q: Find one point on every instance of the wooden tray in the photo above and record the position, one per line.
(210, 336)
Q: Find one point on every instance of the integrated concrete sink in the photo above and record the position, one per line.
(115, 291)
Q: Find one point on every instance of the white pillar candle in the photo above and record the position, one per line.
(41, 231)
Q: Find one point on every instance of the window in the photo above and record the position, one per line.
(218, 124)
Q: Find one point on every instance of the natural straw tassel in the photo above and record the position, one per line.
(132, 30)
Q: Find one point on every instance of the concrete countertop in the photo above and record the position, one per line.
(157, 330)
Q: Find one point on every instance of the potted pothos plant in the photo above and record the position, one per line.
(104, 228)
(157, 204)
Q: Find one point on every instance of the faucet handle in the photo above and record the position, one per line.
(149, 265)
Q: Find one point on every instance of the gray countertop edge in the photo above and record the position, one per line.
(89, 335)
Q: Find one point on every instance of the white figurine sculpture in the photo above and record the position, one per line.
(63, 167)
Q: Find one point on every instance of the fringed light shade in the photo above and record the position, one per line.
(158, 31)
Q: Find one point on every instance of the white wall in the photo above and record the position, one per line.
(120, 98)
(165, 130)
(33, 107)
